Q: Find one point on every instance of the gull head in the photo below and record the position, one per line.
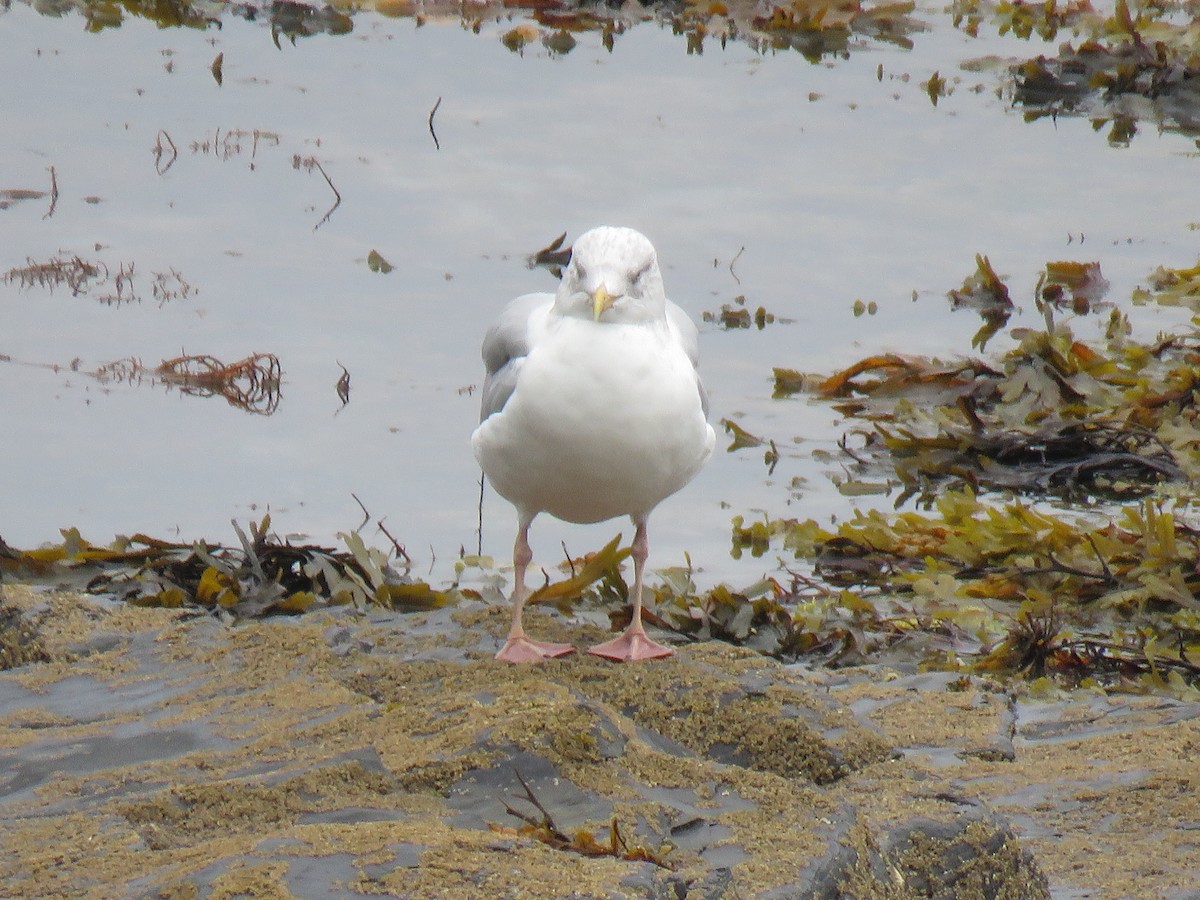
(613, 277)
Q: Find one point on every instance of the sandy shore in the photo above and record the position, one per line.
(148, 752)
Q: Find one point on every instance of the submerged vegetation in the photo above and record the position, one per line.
(96, 279)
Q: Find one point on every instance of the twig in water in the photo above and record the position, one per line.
(362, 506)
(436, 143)
(1108, 575)
(845, 448)
(271, 136)
(736, 256)
(337, 202)
(400, 551)
(479, 531)
(53, 194)
(158, 152)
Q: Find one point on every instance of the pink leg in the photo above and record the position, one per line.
(519, 647)
(634, 644)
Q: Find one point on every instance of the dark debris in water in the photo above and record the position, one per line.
(1072, 460)
(737, 315)
(553, 257)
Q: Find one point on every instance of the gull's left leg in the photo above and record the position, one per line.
(633, 644)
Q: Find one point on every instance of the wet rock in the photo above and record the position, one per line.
(342, 640)
(481, 796)
(714, 774)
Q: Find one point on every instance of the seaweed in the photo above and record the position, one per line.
(1146, 54)
(1055, 415)
(986, 575)
(261, 575)
(252, 384)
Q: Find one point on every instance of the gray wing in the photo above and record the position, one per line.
(686, 333)
(505, 347)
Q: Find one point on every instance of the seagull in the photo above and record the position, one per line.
(592, 408)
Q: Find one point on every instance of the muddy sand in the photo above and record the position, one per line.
(160, 753)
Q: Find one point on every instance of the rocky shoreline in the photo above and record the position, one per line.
(161, 753)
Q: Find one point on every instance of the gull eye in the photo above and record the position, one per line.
(580, 272)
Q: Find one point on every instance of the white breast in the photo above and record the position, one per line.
(605, 421)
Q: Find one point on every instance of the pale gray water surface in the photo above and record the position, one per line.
(865, 191)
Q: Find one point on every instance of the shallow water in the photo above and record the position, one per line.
(839, 185)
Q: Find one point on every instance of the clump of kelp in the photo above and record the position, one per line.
(1054, 415)
(263, 574)
(1106, 588)
(1005, 587)
(1140, 62)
